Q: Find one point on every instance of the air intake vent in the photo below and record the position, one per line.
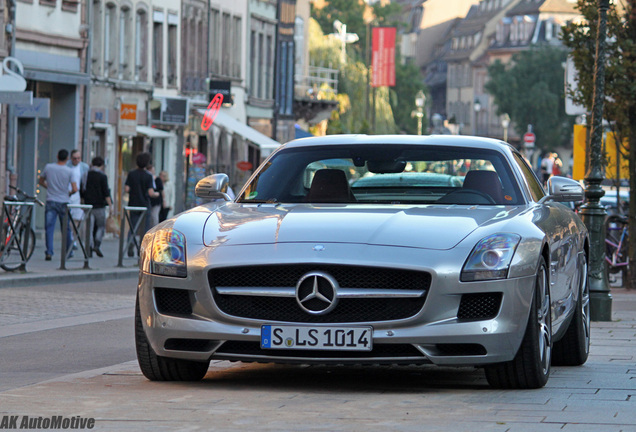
(172, 301)
(479, 306)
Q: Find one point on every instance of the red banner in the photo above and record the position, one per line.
(383, 57)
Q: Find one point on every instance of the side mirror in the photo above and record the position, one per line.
(563, 189)
(213, 187)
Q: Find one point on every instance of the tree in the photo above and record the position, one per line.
(531, 90)
(393, 105)
(620, 84)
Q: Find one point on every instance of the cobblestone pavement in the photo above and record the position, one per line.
(599, 396)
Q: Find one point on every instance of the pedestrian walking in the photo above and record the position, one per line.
(80, 171)
(155, 202)
(547, 163)
(168, 196)
(139, 187)
(97, 194)
(56, 178)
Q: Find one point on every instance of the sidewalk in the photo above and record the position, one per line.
(39, 271)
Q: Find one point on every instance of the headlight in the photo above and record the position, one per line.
(168, 253)
(490, 258)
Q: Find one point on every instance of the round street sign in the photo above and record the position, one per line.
(528, 139)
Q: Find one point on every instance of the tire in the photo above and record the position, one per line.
(530, 368)
(11, 260)
(157, 368)
(613, 231)
(574, 348)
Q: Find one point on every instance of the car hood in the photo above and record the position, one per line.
(428, 227)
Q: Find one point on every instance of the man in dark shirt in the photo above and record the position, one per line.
(139, 186)
(97, 194)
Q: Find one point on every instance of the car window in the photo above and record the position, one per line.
(385, 174)
(536, 190)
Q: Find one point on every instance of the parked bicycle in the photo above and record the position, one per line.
(17, 237)
(616, 244)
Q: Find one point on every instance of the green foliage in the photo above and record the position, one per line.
(408, 82)
(531, 90)
(351, 13)
(620, 68)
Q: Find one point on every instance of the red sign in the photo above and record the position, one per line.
(212, 112)
(383, 57)
(244, 165)
(528, 139)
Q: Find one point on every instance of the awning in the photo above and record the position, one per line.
(227, 122)
(153, 132)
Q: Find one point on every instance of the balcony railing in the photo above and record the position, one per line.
(321, 83)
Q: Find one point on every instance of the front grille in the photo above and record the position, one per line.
(395, 352)
(172, 301)
(359, 309)
(479, 306)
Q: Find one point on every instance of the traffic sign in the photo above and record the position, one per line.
(528, 139)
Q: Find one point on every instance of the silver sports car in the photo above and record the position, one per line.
(354, 249)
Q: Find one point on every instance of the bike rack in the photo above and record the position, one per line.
(21, 241)
(76, 233)
(133, 229)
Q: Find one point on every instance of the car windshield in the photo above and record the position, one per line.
(386, 174)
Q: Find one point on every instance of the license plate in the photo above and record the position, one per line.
(317, 338)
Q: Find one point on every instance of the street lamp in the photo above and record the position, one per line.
(592, 212)
(477, 108)
(505, 122)
(345, 38)
(420, 101)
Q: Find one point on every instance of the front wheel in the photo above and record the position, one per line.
(574, 348)
(531, 366)
(157, 368)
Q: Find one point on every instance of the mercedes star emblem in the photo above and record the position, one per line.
(317, 293)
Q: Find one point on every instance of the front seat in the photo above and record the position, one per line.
(487, 182)
(330, 186)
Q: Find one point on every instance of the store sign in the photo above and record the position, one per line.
(223, 88)
(211, 112)
(40, 108)
(127, 124)
(167, 110)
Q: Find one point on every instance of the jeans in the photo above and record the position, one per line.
(97, 226)
(56, 210)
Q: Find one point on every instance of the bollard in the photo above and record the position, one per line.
(123, 246)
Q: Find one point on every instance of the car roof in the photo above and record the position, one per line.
(426, 140)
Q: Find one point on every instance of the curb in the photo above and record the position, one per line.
(66, 276)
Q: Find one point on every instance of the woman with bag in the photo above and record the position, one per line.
(97, 194)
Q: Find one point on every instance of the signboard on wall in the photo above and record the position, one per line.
(127, 124)
(224, 88)
(383, 57)
(167, 110)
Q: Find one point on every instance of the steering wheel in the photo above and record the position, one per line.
(466, 196)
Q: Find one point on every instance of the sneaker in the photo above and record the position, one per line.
(47, 257)
(98, 252)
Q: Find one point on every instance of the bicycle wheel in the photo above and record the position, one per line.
(614, 226)
(11, 259)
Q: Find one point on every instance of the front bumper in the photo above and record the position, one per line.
(433, 335)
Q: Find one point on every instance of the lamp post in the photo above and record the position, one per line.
(477, 108)
(420, 101)
(345, 38)
(505, 122)
(592, 213)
